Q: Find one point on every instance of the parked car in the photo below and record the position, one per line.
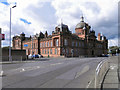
(40, 56)
(30, 56)
(35, 56)
(104, 55)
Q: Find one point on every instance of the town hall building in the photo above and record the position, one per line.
(63, 42)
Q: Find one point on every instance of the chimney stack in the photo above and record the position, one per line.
(99, 36)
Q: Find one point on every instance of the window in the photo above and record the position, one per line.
(72, 43)
(56, 42)
(45, 51)
(76, 44)
(19, 43)
(40, 44)
(36, 51)
(50, 51)
(36, 45)
(67, 51)
(76, 51)
(55, 51)
(42, 51)
(51, 43)
(63, 50)
(65, 42)
(45, 44)
(48, 44)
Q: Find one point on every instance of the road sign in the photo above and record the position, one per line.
(2, 36)
(25, 45)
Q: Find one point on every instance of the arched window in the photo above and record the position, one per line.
(51, 43)
(57, 42)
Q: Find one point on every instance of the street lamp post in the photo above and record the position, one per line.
(10, 59)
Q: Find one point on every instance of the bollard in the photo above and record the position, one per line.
(48, 56)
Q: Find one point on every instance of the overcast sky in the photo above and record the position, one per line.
(33, 16)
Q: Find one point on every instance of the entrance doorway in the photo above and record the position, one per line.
(92, 52)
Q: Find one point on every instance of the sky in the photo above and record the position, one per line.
(33, 16)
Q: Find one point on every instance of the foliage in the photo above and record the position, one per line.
(114, 49)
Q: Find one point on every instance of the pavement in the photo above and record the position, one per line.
(111, 79)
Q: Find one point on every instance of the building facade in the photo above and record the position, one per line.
(64, 43)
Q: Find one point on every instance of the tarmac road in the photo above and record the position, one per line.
(51, 73)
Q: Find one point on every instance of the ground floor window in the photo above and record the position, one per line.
(55, 51)
(63, 50)
(45, 51)
(42, 51)
(50, 51)
(67, 51)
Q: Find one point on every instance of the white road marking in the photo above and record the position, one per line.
(55, 64)
(85, 69)
(23, 69)
(89, 84)
(1, 73)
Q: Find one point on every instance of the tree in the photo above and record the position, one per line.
(7, 47)
(114, 49)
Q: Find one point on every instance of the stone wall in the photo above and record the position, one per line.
(16, 54)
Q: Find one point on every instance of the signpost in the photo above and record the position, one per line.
(25, 45)
(2, 36)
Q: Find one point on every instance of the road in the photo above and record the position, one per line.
(51, 73)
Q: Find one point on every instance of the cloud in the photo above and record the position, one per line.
(42, 15)
(113, 42)
(102, 15)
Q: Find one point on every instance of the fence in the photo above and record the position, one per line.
(100, 72)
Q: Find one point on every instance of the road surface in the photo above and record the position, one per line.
(51, 73)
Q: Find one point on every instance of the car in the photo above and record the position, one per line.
(35, 56)
(40, 56)
(104, 55)
(30, 56)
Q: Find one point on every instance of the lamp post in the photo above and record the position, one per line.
(10, 59)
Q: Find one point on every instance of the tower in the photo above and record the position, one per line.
(82, 29)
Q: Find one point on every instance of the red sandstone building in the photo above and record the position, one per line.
(63, 43)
